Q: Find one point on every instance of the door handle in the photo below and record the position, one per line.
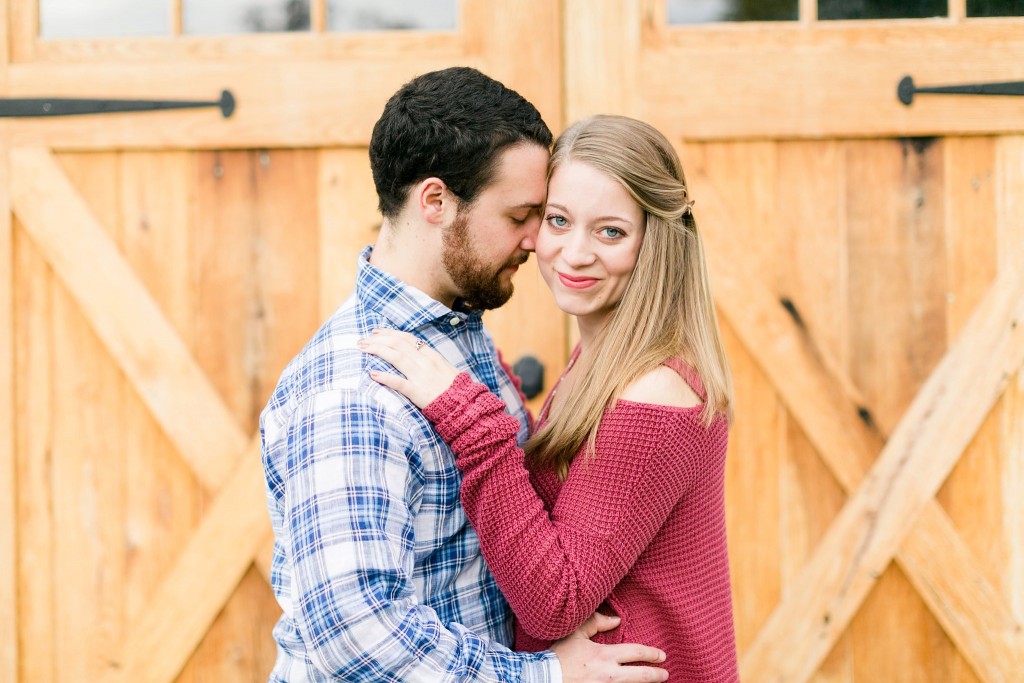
(906, 89)
(59, 106)
(530, 372)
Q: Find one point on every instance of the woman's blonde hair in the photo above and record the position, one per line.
(666, 310)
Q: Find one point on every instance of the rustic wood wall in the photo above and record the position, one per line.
(159, 270)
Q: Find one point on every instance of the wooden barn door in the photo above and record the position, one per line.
(158, 271)
(867, 260)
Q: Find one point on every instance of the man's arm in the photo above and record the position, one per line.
(347, 491)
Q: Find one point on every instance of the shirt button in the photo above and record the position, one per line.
(455, 320)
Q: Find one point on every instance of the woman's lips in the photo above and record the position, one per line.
(576, 282)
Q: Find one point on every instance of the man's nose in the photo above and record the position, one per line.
(529, 241)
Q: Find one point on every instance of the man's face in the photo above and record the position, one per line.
(488, 240)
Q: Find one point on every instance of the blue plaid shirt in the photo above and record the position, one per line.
(376, 567)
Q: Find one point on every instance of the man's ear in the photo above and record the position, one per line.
(433, 200)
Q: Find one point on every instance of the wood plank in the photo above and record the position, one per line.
(164, 502)
(134, 330)
(895, 217)
(602, 49)
(8, 420)
(894, 637)
(88, 480)
(1012, 429)
(239, 645)
(811, 260)
(519, 44)
(334, 103)
(913, 464)
(23, 24)
(348, 221)
(970, 216)
(848, 74)
(88, 458)
(202, 580)
(256, 240)
(33, 384)
(810, 500)
(1010, 238)
(896, 261)
(1010, 201)
(253, 48)
(827, 412)
(966, 496)
(754, 531)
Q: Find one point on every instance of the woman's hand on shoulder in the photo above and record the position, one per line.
(661, 386)
(427, 373)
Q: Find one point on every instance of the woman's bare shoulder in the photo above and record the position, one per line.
(662, 386)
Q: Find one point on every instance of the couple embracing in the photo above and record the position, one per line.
(427, 528)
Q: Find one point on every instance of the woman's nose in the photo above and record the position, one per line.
(577, 251)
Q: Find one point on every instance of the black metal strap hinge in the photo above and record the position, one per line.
(59, 106)
(906, 89)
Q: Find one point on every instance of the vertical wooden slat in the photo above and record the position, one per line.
(1010, 239)
(808, 10)
(970, 225)
(754, 530)
(318, 16)
(88, 459)
(602, 42)
(348, 221)
(238, 646)
(8, 419)
(256, 235)
(811, 262)
(88, 493)
(8, 468)
(957, 10)
(33, 405)
(811, 244)
(163, 503)
(286, 303)
(897, 332)
(256, 240)
(747, 175)
(226, 216)
(177, 19)
(23, 30)
(810, 499)
(897, 270)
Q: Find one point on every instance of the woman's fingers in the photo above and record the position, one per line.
(427, 373)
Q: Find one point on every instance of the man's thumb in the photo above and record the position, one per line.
(599, 622)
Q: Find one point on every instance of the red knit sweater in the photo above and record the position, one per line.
(637, 530)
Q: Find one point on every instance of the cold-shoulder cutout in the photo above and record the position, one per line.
(662, 386)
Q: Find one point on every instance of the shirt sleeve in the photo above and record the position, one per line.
(556, 569)
(347, 495)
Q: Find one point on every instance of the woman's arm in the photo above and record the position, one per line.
(555, 570)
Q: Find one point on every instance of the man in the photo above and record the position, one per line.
(376, 568)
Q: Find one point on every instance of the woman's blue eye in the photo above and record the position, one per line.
(612, 232)
(557, 221)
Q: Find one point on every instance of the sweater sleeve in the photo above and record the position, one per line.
(556, 569)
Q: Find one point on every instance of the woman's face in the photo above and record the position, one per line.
(589, 241)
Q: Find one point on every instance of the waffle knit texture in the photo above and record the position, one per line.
(637, 529)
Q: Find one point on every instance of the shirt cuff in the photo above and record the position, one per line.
(546, 669)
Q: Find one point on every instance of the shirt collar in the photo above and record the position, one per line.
(404, 306)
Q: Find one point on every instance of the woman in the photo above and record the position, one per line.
(617, 504)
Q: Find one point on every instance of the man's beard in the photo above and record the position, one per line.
(480, 285)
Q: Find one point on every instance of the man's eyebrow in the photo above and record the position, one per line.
(527, 205)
